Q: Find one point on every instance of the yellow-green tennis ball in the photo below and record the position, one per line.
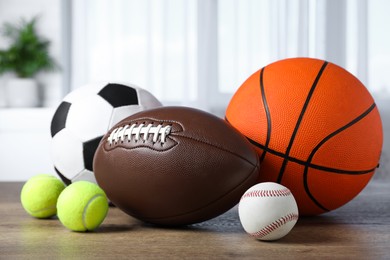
(39, 195)
(82, 206)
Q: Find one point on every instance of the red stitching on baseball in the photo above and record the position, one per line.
(267, 193)
(274, 225)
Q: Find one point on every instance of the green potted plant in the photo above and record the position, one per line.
(27, 54)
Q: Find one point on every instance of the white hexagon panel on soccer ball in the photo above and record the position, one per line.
(87, 90)
(89, 117)
(85, 175)
(67, 153)
(146, 101)
(121, 113)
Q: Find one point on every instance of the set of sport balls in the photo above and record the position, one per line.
(299, 127)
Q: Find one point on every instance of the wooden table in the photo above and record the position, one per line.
(359, 230)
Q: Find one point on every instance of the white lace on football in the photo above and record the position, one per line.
(136, 131)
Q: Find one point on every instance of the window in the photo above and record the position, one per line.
(378, 47)
(198, 53)
(149, 43)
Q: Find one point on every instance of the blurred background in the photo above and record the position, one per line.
(186, 52)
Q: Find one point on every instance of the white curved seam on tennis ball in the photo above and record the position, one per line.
(40, 210)
(86, 207)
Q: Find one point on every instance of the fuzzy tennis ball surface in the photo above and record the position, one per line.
(39, 195)
(82, 206)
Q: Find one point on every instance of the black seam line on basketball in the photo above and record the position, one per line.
(310, 165)
(315, 150)
(298, 124)
(216, 146)
(267, 113)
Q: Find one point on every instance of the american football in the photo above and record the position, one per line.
(175, 166)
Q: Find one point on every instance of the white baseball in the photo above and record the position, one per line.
(268, 211)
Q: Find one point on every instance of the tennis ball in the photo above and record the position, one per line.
(39, 195)
(82, 206)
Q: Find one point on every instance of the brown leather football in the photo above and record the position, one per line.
(175, 165)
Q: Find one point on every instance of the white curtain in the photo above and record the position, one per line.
(150, 43)
(198, 52)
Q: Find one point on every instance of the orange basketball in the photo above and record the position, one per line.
(315, 127)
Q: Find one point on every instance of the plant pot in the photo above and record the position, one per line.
(22, 92)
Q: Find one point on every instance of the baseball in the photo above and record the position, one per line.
(268, 211)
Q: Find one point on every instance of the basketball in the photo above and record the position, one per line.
(316, 128)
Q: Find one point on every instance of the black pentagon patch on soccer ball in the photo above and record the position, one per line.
(89, 149)
(59, 118)
(63, 178)
(119, 95)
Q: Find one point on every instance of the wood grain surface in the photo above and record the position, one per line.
(359, 230)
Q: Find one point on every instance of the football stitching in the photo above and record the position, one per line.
(142, 146)
(134, 132)
(143, 142)
(275, 225)
(267, 193)
(154, 120)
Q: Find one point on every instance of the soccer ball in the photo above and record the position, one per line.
(84, 117)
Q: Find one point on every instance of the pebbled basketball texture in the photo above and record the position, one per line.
(315, 127)
(175, 166)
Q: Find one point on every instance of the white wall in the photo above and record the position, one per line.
(25, 143)
(49, 26)
(24, 133)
